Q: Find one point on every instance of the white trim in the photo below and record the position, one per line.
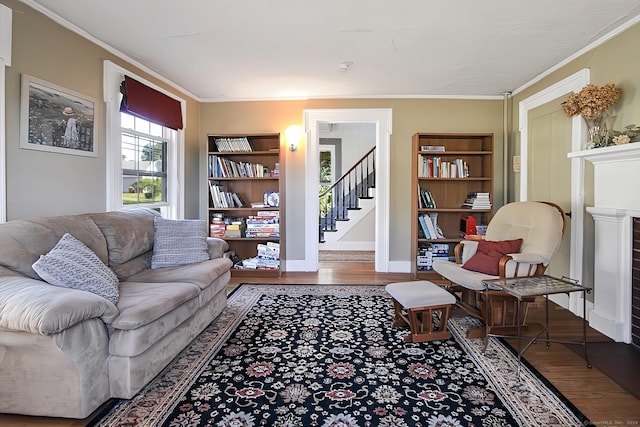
(382, 117)
(3, 146)
(113, 76)
(6, 17)
(573, 83)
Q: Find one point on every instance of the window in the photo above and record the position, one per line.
(145, 160)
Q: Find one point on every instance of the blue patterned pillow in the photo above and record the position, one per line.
(71, 264)
(179, 242)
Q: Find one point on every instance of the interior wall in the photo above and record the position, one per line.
(41, 183)
(615, 61)
(409, 116)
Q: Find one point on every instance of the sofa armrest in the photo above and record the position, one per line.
(34, 306)
(216, 247)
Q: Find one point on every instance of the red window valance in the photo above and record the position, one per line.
(140, 100)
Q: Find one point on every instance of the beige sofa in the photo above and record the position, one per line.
(64, 352)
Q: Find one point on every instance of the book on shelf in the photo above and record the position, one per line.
(429, 226)
(425, 199)
(220, 167)
(433, 216)
(432, 148)
(477, 200)
(435, 167)
(233, 144)
(223, 199)
(423, 226)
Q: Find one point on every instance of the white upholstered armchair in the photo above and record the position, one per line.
(540, 225)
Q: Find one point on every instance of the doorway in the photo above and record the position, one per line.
(313, 119)
(573, 83)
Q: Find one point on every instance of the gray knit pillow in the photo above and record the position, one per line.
(71, 264)
(179, 242)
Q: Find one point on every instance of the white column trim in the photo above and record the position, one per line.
(3, 146)
(6, 18)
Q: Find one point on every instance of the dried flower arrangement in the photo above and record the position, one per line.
(592, 101)
(630, 133)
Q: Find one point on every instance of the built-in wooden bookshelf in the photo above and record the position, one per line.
(245, 180)
(433, 174)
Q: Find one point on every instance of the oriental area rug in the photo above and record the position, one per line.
(326, 356)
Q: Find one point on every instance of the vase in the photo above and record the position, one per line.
(596, 131)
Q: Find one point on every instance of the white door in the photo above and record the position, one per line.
(550, 173)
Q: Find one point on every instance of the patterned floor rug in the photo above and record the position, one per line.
(325, 355)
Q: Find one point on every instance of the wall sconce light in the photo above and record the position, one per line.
(293, 135)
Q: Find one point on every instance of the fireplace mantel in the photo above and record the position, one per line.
(614, 153)
(616, 169)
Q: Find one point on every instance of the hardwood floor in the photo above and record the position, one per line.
(603, 401)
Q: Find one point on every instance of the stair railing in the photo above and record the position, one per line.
(345, 194)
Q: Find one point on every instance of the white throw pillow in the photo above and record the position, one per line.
(71, 264)
(179, 242)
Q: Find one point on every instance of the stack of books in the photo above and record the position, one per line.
(430, 253)
(477, 201)
(217, 227)
(268, 258)
(235, 227)
(265, 224)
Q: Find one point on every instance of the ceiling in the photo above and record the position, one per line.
(230, 50)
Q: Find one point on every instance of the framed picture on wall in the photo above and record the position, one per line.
(56, 119)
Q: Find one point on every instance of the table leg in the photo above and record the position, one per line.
(519, 336)
(584, 326)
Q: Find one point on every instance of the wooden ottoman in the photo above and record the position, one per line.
(416, 304)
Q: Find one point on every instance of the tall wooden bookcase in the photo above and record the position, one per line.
(475, 153)
(249, 166)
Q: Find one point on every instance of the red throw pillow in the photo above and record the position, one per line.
(487, 257)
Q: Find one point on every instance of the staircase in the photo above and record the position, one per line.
(347, 194)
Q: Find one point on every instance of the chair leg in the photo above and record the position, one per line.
(423, 327)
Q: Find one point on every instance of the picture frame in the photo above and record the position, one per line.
(56, 119)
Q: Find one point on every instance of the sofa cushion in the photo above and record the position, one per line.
(23, 241)
(179, 242)
(134, 341)
(143, 303)
(128, 234)
(487, 257)
(33, 306)
(71, 264)
(200, 274)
